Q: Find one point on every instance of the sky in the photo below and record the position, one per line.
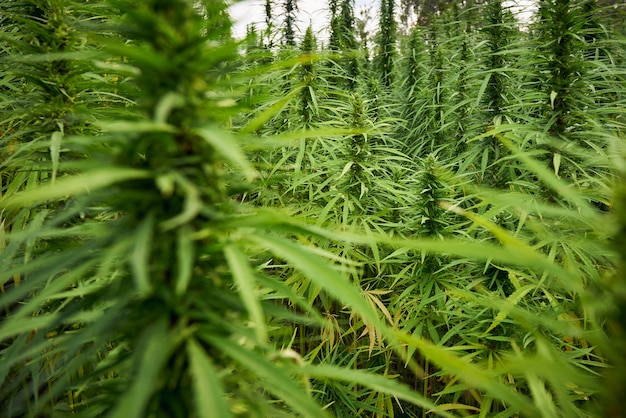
(316, 13)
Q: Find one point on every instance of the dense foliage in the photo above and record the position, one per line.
(427, 222)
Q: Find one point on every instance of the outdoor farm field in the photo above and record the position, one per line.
(419, 211)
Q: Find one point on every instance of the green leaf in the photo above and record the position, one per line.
(3, 234)
(14, 326)
(518, 250)
(283, 291)
(301, 154)
(512, 300)
(254, 143)
(267, 114)
(55, 151)
(191, 208)
(484, 161)
(209, 396)
(168, 102)
(556, 162)
(472, 374)
(74, 185)
(54, 56)
(549, 178)
(244, 278)
(185, 255)
(226, 145)
(74, 267)
(381, 384)
(149, 358)
(135, 127)
(318, 271)
(541, 396)
(140, 261)
(483, 87)
(276, 379)
(346, 168)
(553, 95)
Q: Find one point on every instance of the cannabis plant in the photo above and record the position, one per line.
(194, 226)
(386, 43)
(135, 288)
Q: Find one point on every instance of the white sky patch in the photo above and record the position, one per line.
(315, 12)
(522, 9)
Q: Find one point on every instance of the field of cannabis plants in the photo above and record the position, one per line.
(429, 220)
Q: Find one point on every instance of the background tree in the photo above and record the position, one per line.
(423, 11)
